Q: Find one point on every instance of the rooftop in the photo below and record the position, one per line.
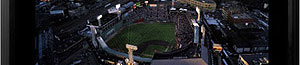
(241, 16)
(241, 26)
(249, 39)
(212, 21)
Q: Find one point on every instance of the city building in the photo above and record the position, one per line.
(205, 5)
(239, 18)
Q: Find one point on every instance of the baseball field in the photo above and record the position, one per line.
(149, 37)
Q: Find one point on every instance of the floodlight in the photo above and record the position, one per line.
(99, 17)
(118, 6)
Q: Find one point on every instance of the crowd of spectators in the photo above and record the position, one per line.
(159, 13)
(184, 31)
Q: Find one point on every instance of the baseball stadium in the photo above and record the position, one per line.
(131, 30)
(150, 32)
(151, 29)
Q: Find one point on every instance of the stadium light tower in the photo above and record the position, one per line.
(94, 32)
(131, 48)
(196, 32)
(198, 11)
(99, 20)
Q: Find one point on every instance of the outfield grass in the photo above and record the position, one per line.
(139, 33)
